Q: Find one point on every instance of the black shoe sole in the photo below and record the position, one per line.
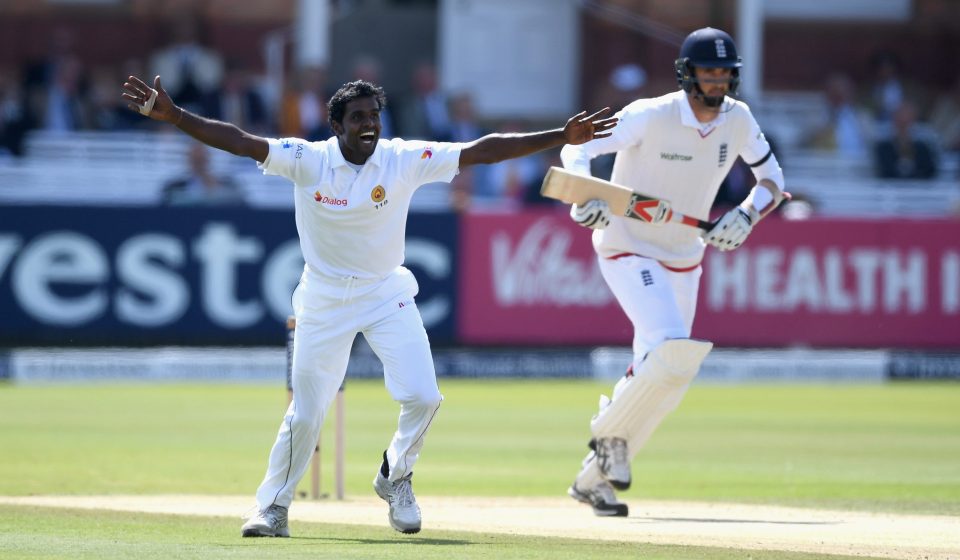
(407, 531)
(620, 510)
(248, 534)
(619, 485)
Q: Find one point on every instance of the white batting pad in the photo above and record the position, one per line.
(589, 475)
(657, 386)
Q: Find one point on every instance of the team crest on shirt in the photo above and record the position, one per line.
(379, 196)
(427, 153)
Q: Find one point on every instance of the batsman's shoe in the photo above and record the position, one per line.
(613, 461)
(270, 522)
(601, 498)
(404, 512)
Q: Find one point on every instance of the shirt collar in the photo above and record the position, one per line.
(336, 156)
(687, 118)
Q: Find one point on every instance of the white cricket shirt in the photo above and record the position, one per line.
(350, 223)
(664, 151)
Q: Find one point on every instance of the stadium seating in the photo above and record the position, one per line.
(131, 168)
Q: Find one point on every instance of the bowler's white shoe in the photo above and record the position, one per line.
(613, 462)
(602, 498)
(404, 511)
(270, 522)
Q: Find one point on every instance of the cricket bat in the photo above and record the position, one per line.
(573, 188)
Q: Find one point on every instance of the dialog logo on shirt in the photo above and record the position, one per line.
(329, 200)
(427, 153)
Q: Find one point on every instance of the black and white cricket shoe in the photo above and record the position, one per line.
(601, 498)
(613, 461)
(270, 522)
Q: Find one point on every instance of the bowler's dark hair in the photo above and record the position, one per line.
(350, 91)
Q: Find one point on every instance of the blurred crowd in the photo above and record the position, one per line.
(907, 130)
(903, 128)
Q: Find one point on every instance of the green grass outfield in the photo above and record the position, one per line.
(890, 448)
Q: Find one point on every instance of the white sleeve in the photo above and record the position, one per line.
(759, 156)
(298, 160)
(764, 165)
(628, 132)
(429, 162)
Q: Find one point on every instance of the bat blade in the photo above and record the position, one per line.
(572, 188)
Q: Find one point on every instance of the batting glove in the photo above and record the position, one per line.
(731, 230)
(595, 214)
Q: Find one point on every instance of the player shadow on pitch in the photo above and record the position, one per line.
(394, 541)
(753, 521)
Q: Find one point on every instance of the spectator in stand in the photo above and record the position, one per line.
(888, 88)
(459, 195)
(192, 73)
(14, 121)
(107, 109)
(945, 120)
(66, 107)
(303, 111)
(465, 125)
(908, 150)
(240, 103)
(40, 74)
(844, 128)
(508, 183)
(200, 186)
(426, 114)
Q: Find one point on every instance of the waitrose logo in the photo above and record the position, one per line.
(675, 157)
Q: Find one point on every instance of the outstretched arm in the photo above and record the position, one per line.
(154, 102)
(498, 147)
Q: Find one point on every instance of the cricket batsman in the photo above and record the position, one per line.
(678, 147)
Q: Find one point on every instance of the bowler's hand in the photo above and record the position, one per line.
(137, 94)
(581, 129)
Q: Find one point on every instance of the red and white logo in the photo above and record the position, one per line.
(329, 200)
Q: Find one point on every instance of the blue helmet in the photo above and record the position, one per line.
(707, 48)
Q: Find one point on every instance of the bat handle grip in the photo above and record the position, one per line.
(693, 222)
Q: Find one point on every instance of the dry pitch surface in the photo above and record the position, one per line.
(737, 526)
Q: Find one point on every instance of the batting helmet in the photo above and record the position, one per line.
(707, 48)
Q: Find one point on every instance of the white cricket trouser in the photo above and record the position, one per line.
(660, 304)
(329, 315)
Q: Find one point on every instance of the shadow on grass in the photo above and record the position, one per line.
(397, 541)
(757, 521)
(348, 540)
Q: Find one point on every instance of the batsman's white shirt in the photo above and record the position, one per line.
(665, 152)
(353, 224)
